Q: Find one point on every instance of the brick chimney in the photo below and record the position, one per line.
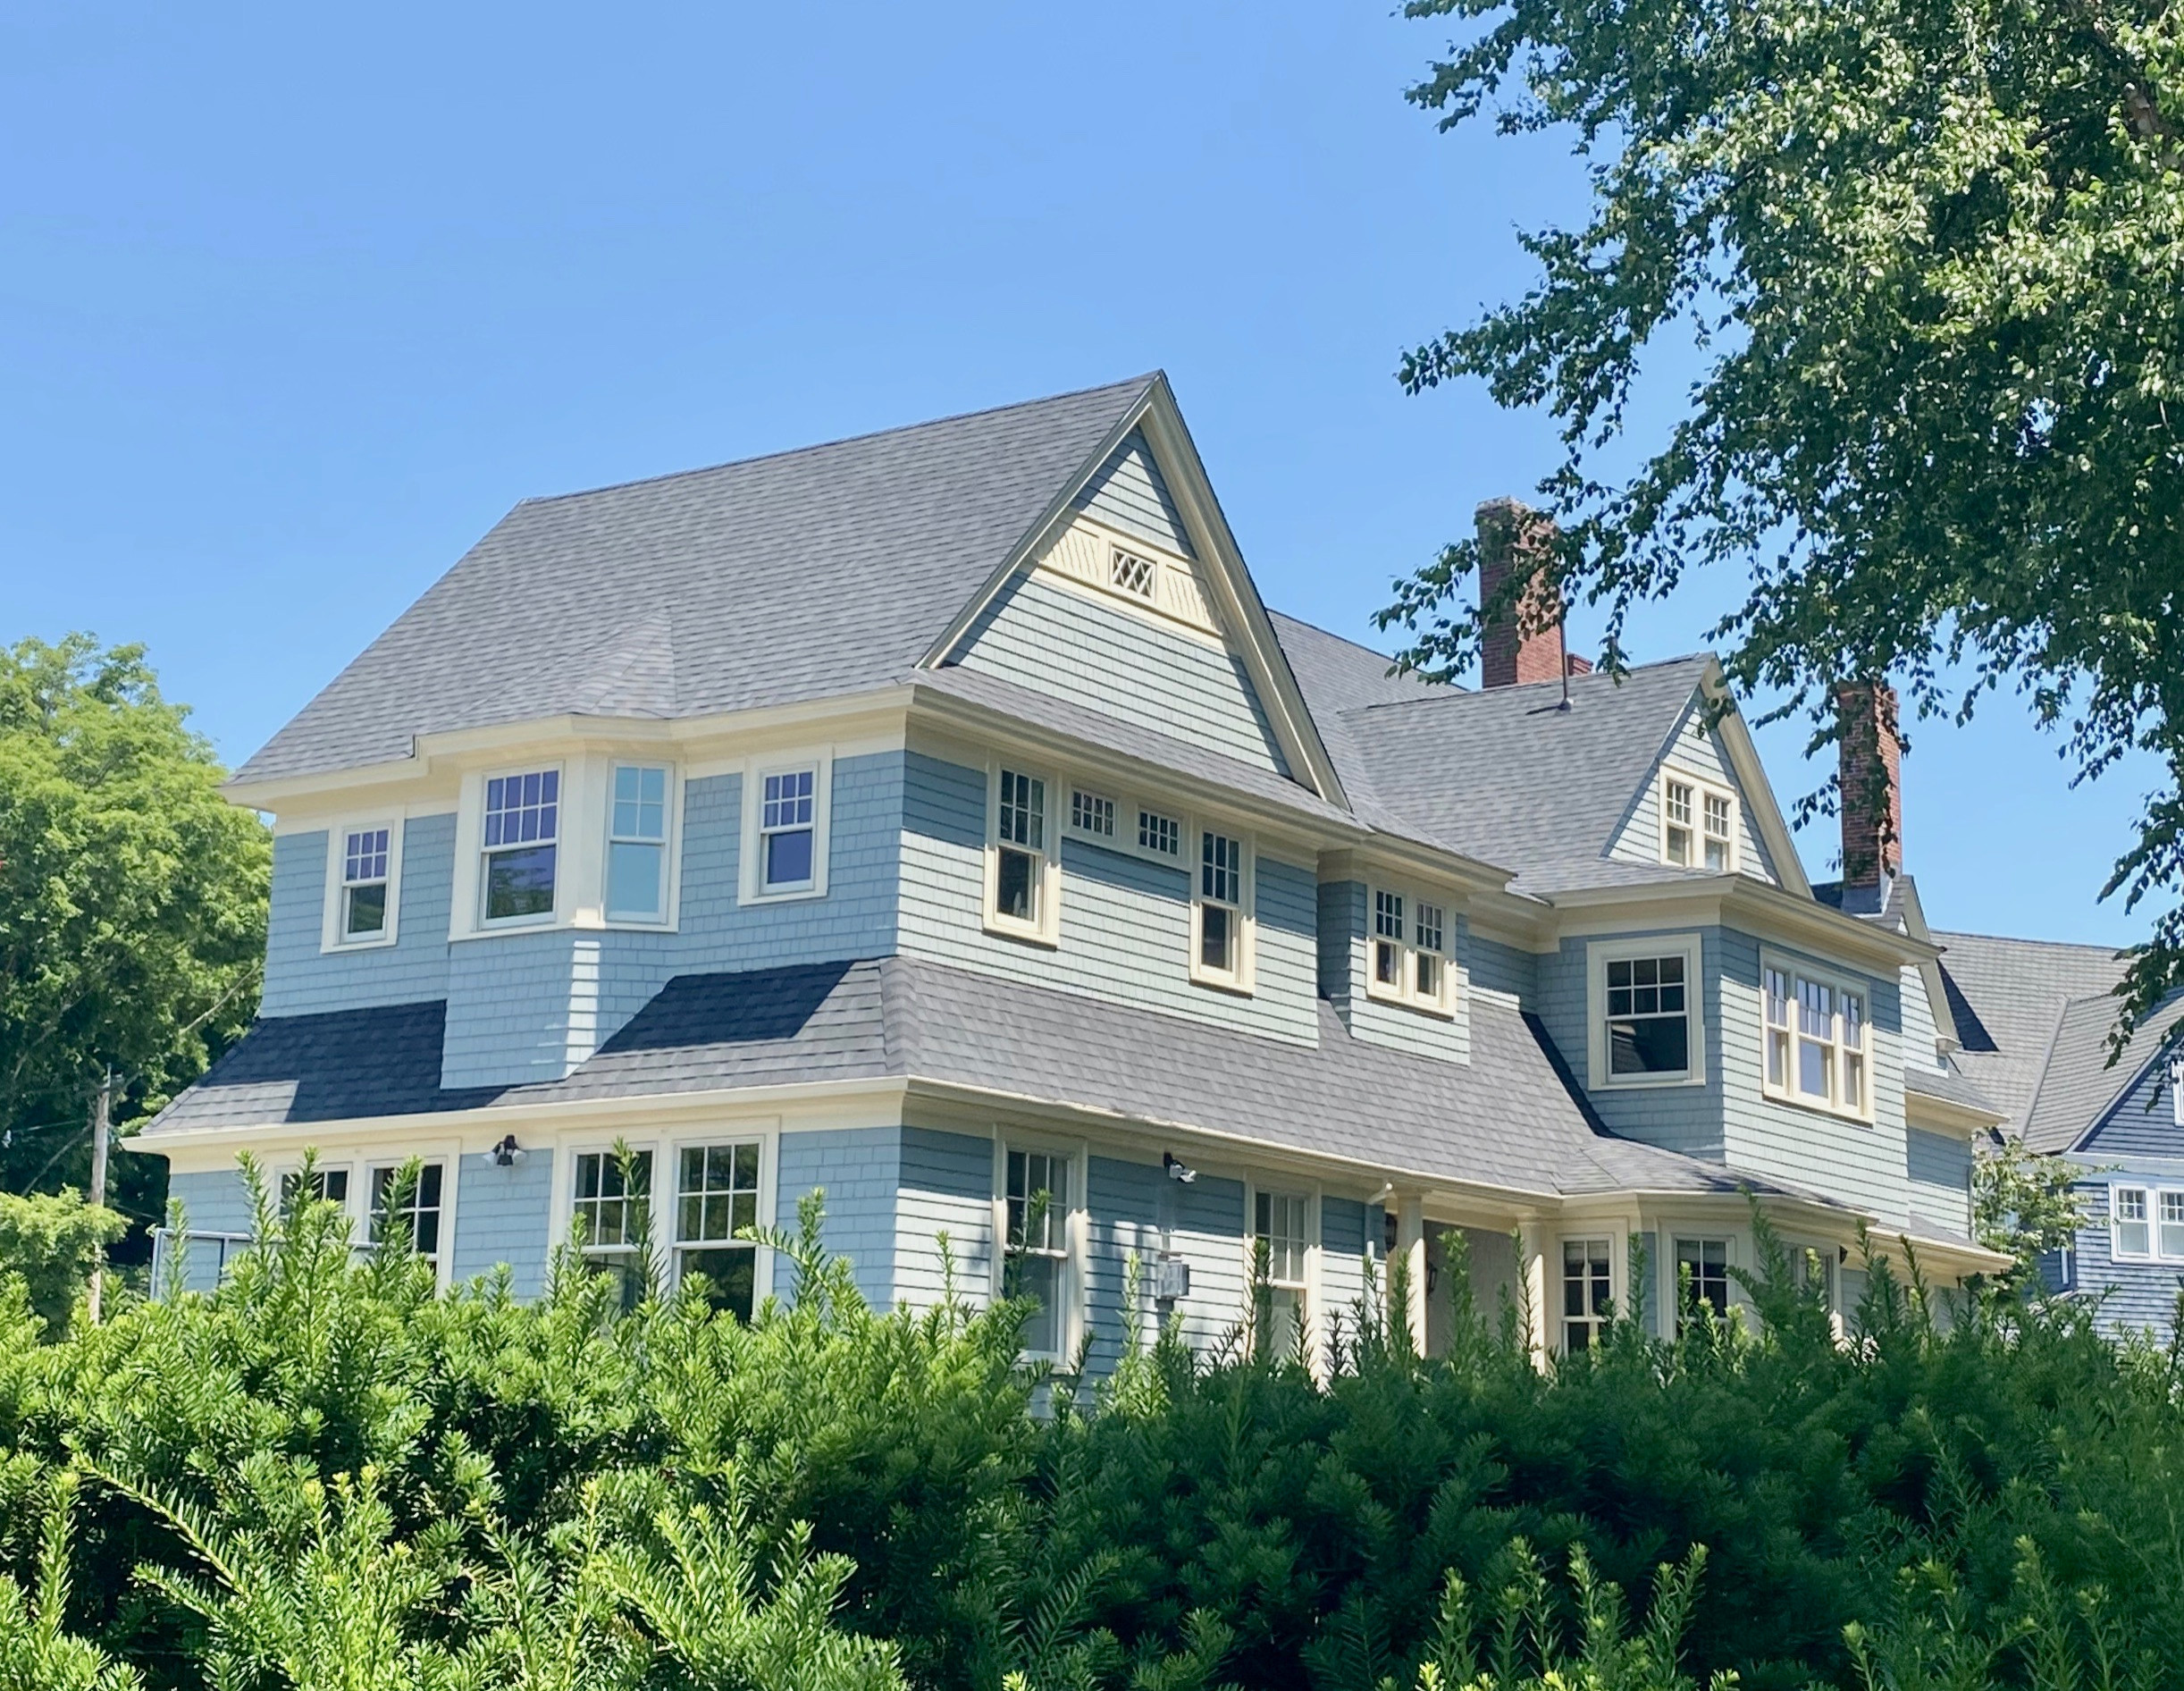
(1523, 641)
(1871, 774)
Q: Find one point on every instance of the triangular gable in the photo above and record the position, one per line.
(1147, 481)
(1719, 754)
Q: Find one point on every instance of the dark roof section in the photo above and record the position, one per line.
(1508, 776)
(329, 1067)
(1511, 1118)
(674, 597)
(2009, 998)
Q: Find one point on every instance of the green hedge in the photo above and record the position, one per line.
(326, 1474)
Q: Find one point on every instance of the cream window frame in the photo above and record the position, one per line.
(1701, 790)
(1839, 987)
(750, 877)
(1617, 1236)
(671, 846)
(1599, 954)
(334, 909)
(1044, 928)
(470, 838)
(1243, 978)
(1442, 1001)
(1076, 1234)
(1275, 1186)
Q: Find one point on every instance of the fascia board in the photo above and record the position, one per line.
(1946, 1116)
(1758, 790)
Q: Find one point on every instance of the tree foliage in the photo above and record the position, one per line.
(329, 1474)
(132, 905)
(50, 1242)
(1931, 254)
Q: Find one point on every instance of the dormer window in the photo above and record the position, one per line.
(522, 826)
(1698, 824)
(1408, 962)
(1129, 574)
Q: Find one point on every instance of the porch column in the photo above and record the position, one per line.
(1536, 1287)
(1410, 1241)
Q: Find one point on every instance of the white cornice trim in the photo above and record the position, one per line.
(1758, 792)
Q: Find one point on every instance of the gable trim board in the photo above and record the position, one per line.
(1237, 607)
(1755, 790)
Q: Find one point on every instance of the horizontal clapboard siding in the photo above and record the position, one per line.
(1697, 749)
(502, 1217)
(947, 1188)
(859, 1172)
(301, 980)
(1939, 1166)
(1129, 492)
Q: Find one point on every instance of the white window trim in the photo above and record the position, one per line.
(1243, 979)
(288, 1168)
(1077, 1233)
(1046, 929)
(1598, 955)
(1837, 984)
(1670, 1232)
(820, 760)
(1617, 1234)
(469, 910)
(1441, 1003)
(362, 1210)
(1125, 816)
(671, 871)
(562, 1229)
(1702, 788)
(330, 938)
(2155, 1191)
(667, 1164)
(1314, 1255)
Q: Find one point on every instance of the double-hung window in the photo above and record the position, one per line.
(788, 854)
(1406, 962)
(408, 1215)
(1588, 1283)
(2172, 1236)
(637, 844)
(1816, 1040)
(1020, 897)
(1646, 1027)
(1698, 824)
(1280, 1242)
(1702, 1276)
(611, 1197)
(323, 1186)
(1036, 1240)
(2131, 1232)
(1219, 909)
(367, 862)
(715, 1206)
(522, 814)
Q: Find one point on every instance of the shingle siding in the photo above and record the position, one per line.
(211, 1201)
(1348, 1232)
(1125, 922)
(502, 1216)
(859, 1171)
(947, 1186)
(301, 979)
(1939, 1171)
(1698, 750)
(2131, 1296)
(1122, 1208)
(1070, 643)
(2142, 1122)
(1129, 492)
(1500, 968)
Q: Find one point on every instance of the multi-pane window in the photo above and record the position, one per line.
(1814, 1272)
(1648, 1016)
(1158, 833)
(1220, 898)
(2134, 1235)
(788, 838)
(1388, 940)
(716, 1204)
(611, 1197)
(1036, 1199)
(1816, 1042)
(1587, 1289)
(637, 844)
(1019, 859)
(1698, 825)
(1702, 1275)
(1426, 968)
(1129, 573)
(1090, 813)
(407, 1214)
(2172, 1225)
(1716, 818)
(324, 1186)
(364, 857)
(1280, 1226)
(522, 823)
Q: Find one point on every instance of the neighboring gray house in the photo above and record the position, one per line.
(940, 819)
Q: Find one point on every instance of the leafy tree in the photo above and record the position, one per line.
(2026, 1205)
(1929, 253)
(50, 1241)
(132, 907)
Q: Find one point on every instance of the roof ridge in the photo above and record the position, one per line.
(2048, 1062)
(2109, 952)
(1451, 691)
(1146, 380)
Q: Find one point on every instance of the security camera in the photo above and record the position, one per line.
(1177, 1170)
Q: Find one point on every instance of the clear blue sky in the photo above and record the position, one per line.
(295, 302)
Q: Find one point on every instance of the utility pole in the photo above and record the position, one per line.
(101, 1117)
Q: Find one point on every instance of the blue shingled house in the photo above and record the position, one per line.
(940, 818)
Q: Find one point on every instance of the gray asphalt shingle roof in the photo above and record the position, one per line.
(1512, 1118)
(671, 597)
(2008, 998)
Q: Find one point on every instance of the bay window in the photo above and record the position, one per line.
(1815, 1039)
(637, 844)
(522, 826)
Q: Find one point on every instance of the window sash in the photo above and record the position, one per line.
(2171, 1238)
(1646, 1007)
(521, 835)
(788, 831)
(612, 1211)
(1587, 1290)
(1035, 1201)
(1160, 833)
(1281, 1222)
(2134, 1234)
(1092, 813)
(1815, 1047)
(716, 1192)
(420, 1216)
(1708, 1260)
